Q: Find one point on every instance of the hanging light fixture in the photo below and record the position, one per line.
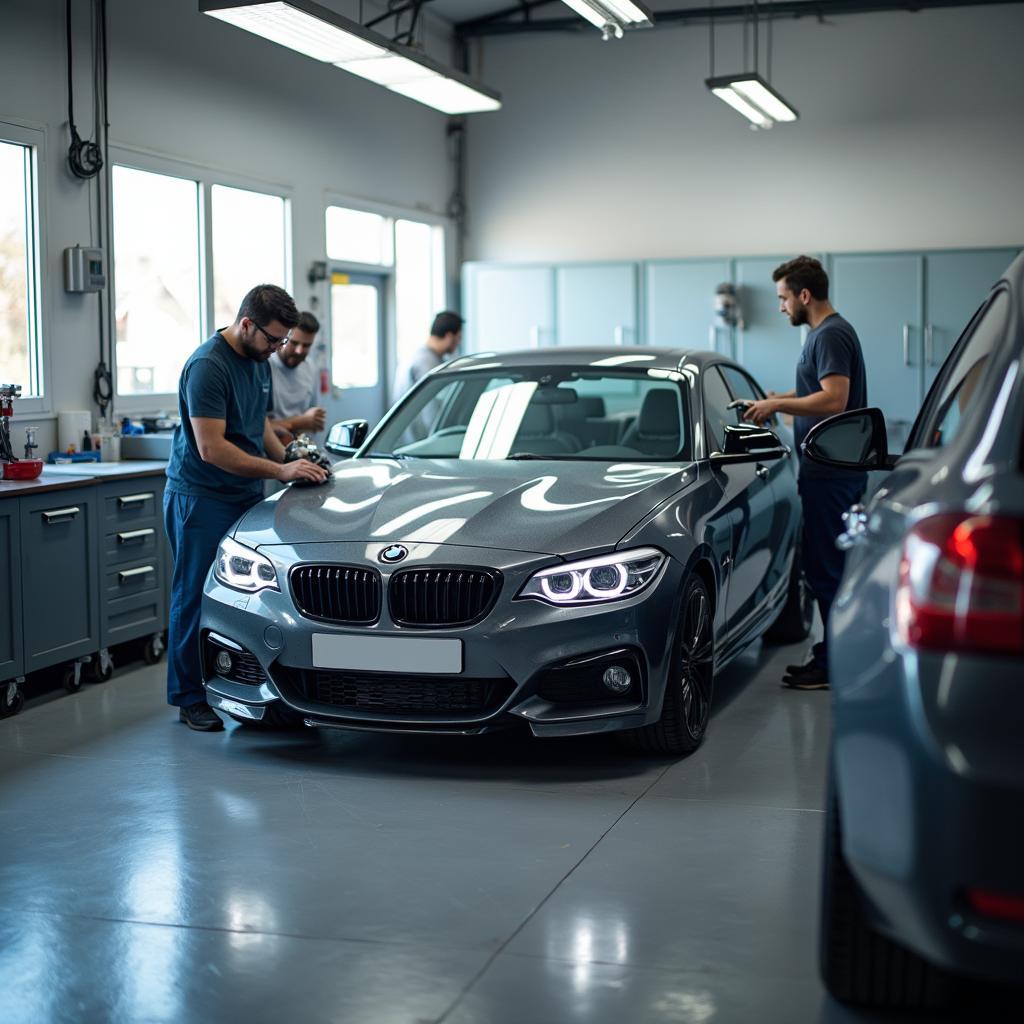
(612, 17)
(748, 93)
(317, 32)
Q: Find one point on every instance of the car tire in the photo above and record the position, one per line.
(797, 615)
(858, 965)
(688, 689)
(274, 718)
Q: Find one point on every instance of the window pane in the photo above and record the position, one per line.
(357, 237)
(355, 341)
(419, 283)
(250, 247)
(156, 274)
(17, 234)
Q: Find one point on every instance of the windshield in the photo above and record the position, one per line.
(542, 413)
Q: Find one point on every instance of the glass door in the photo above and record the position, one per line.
(357, 348)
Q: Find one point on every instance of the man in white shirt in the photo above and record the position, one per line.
(445, 335)
(295, 383)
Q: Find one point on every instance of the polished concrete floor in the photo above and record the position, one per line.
(149, 873)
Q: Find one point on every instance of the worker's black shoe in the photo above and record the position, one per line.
(799, 670)
(811, 678)
(200, 717)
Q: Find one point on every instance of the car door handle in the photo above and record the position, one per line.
(761, 472)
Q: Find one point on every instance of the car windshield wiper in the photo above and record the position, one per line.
(391, 455)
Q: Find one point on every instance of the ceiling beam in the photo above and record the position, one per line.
(517, 20)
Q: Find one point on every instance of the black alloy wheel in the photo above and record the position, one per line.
(688, 689)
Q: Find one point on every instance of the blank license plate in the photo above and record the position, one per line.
(407, 654)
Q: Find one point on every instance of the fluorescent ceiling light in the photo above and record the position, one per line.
(612, 16)
(308, 28)
(753, 97)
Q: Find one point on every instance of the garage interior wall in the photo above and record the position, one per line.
(187, 87)
(911, 135)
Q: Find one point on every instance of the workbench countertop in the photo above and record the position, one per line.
(75, 474)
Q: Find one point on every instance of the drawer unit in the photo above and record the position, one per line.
(10, 590)
(133, 569)
(60, 602)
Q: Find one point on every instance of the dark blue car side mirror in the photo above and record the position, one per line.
(346, 437)
(855, 439)
(748, 443)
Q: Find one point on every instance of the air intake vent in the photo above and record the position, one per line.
(442, 597)
(337, 593)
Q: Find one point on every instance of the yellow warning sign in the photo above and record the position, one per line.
(339, 278)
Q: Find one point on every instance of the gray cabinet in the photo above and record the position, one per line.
(882, 296)
(60, 604)
(596, 304)
(679, 304)
(11, 660)
(508, 307)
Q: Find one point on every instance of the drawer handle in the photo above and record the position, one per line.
(133, 499)
(130, 535)
(59, 515)
(129, 574)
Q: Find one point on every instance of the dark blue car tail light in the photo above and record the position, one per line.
(442, 597)
(1001, 905)
(345, 594)
(961, 585)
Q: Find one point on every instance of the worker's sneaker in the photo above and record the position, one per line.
(812, 678)
(200, 717)
(799, 670)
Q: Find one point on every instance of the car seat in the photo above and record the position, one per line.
(656, 430)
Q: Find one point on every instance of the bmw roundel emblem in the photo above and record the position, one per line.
(394, 553)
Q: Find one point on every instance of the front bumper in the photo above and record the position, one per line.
(507, 657)
(930, 775)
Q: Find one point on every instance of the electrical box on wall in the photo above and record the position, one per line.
(84, 269)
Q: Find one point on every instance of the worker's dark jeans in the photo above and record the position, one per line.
(194, 527)
(824, 501)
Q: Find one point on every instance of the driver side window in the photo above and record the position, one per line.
(954, 392)
(717, 413)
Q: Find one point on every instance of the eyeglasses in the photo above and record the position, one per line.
(274, 341)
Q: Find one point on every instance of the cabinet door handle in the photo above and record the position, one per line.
(929, 345)
(130, 535)
(712, 338)
(59, 515)
(133, 499)
(906, 344)
(125, 575)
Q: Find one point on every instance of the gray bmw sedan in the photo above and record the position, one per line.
(574, 539)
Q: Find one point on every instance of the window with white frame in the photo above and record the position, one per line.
(415, 251)
(250, 246)
(20, 356)
(355, 236)
(157, 280)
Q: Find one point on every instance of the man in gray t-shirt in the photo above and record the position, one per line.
(296, 383)
(445, 335)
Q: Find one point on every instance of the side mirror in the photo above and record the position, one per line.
(345, 438)
(750, 444)
(850, 440)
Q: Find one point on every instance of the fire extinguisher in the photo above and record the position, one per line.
(325, 376)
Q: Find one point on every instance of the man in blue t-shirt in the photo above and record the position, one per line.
(222, 452)
(830, 378)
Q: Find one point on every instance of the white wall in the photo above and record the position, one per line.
(911, 135)
(193, 89)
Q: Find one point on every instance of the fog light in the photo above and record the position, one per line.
(224, 663)
(617, 679)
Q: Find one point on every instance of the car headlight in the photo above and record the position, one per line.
(594, 580)
(244, 569)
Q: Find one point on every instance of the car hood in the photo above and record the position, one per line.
(544, 507)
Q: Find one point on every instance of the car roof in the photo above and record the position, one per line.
(638, 357)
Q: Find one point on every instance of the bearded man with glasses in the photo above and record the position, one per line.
(223, 450)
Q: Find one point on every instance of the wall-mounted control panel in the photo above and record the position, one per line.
(84, 269)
